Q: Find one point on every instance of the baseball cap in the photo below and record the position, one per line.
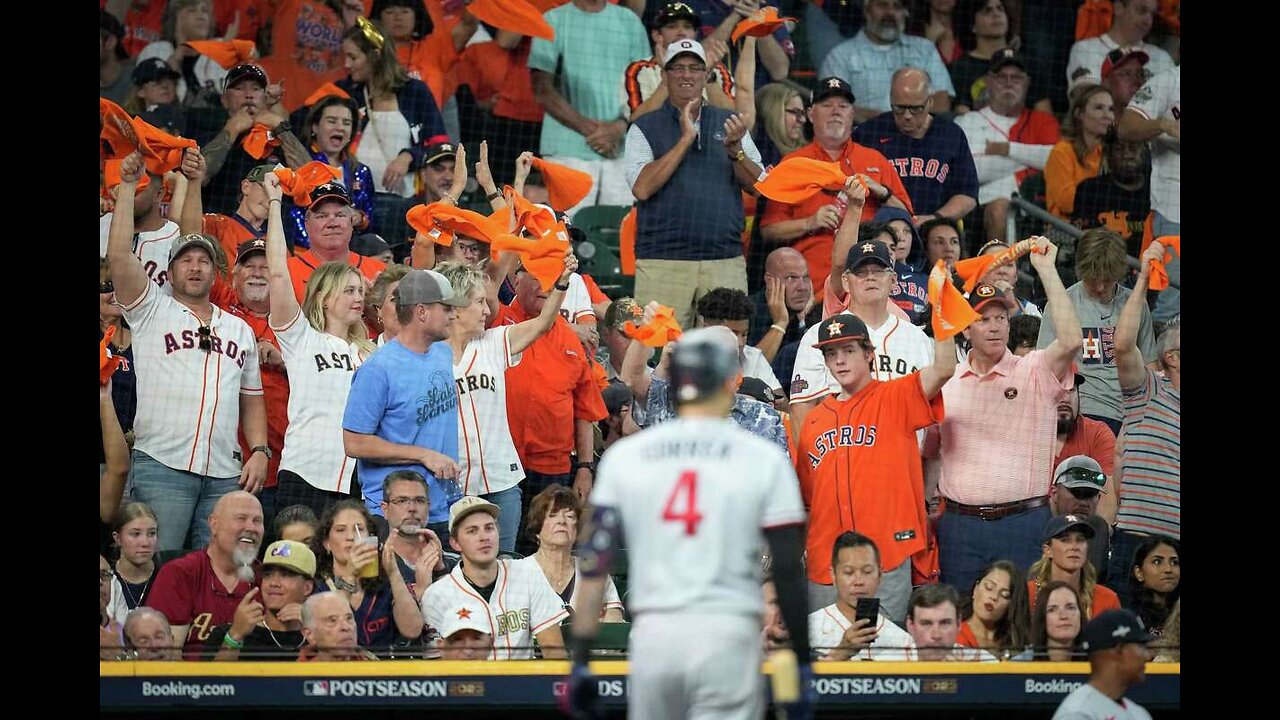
(986, 293)
(245, 71)
(702, 361)
(1007, 56)
(1058, 525)
(672, 12)
(330, 191)
(1112, 629)
(153, 69)
(469, 503)
(684, 47)
(369, 245)
(440, 151)
(1119, 56)
(424, 287)
(250, 247)
(615, 396)
(465, 618)
(841, 328)
(293, 555)
(829, 86)
(620, 311)
(110, 25)
(756, 389)
(869, 251)
(194, 240)
(1080, 471)
(259, 172)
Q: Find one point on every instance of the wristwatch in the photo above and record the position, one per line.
(739, 156)
(562, 288)
(588, 465)
(283, 127)
(493, 195)
(262, 449)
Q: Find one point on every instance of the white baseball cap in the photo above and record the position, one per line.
(465, 618)
(682, 47)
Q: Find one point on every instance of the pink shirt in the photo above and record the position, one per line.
(998, 436)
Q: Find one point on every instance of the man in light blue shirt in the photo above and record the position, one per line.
(576, 78)
(868, 60)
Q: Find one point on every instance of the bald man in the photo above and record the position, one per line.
(930, 154)
(201, 590)
(786, 306)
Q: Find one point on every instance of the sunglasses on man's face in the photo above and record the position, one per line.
(106, 286)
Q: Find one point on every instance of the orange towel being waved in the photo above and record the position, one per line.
(299, 183)
(112, 178)
(537, 219)
(259, 142)
(515, 15)
(439, 222)
(542, 257)
(795, 180)
(1159, 279)
(663, 329)
(108, 361)
(566, 187)
(117, 130)
(973, 269)
(951, 312)
(227, 53)
(324, 91)
(161, 152)
(761, 24)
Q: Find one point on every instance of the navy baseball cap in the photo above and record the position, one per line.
(153, 69)
(250, 247)
(870, 251)
(829, 86)
(440, 151)
(330, 191)
(986, 293)
(1112, 629)
(1062, 523)
(841, 328)
(245, 71)
(1007, 56)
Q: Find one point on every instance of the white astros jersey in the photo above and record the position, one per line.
(577, 301)
(487, 459)
(611, 600)
(189, 399)
(901, 349)
(522, 605)
(694, 495)
(152, 248)
(827, 627)
(320, 367)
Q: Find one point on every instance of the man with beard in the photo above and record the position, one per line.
(1079, 486)
(193, 362)
(1120, 198)
(419, 553)
(997, 437)
(1080, 436)
(202, 589)
(268, 626)
(329, 630)
(868, 60)
(146, 634)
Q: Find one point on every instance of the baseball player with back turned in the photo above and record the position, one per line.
(698, 490)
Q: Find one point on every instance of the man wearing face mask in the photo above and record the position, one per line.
(868, 60)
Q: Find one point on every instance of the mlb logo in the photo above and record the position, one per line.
(315, 688)
(559, 689)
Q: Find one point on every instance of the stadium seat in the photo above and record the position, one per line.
(613, 636)
(601, 222)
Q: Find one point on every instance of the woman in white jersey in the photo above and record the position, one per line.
(323, 342)
(553, 525)
(487, 460)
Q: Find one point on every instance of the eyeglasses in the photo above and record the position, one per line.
(420, 501)
(912, 110)
(867, 271)
(686, 69)
(1009, 79)
(106, 287)
(205, 344)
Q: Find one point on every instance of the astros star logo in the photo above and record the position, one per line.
(833, 82)
(834, 329)
(464, 614)
(868, 248)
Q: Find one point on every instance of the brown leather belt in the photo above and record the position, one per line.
(997, 511)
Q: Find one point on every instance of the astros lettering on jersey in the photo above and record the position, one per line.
(521, 606)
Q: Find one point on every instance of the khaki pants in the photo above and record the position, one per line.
(681, 283)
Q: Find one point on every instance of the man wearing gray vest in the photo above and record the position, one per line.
(687, 163)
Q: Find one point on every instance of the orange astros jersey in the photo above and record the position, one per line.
(860, 470)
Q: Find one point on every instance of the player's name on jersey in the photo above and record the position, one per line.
(187, 340)
(687, 448)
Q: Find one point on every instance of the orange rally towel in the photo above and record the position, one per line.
(259, 141)
(951, 312)
(117, 129)
(439, 222)
(161, 151)
(1159, 276)
(663, 329)
(107, 359)
(515, 15)
(566, 186)
(972, 269)
(762, 24)
(543, 257)
(324, 91)
(112, 178)
(227, 53)
(299, 183)
(1093, 18)
(627, 243)
(537, 219)
(797, 179)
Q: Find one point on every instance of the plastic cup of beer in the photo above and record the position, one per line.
(370, 570)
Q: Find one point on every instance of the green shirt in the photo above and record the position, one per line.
(589, 56)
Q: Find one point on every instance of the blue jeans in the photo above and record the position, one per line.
(967, 544)
(508, 501)
(1120, 565)
(182, 501)
(1168, 302)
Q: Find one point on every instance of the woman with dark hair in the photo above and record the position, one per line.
(934, 21)
(1056, 625)
(296, 522)
(384, 607)
(329, 129)
(1078, 155)
(1157, 577)
(983, 27)
(200, 84)
(552, 525)
(996, 615)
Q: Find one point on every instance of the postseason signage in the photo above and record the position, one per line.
(163, 686)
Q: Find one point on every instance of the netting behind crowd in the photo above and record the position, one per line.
(972, 124)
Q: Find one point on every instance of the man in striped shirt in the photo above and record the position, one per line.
(1150, 484)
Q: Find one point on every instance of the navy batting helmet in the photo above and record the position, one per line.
(702, 361)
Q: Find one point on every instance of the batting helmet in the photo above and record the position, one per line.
(702, 361)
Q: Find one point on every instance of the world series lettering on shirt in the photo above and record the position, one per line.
(439, 399)
(189, 341)
(334, 361)
(922, 168)
(513, 620)
(843, 436)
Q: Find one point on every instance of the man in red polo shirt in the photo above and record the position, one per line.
(329, 227)
(552, 400)
(1080, 435)
(811, 225)
(201, 590)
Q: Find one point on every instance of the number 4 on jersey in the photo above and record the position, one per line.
(686, 492)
